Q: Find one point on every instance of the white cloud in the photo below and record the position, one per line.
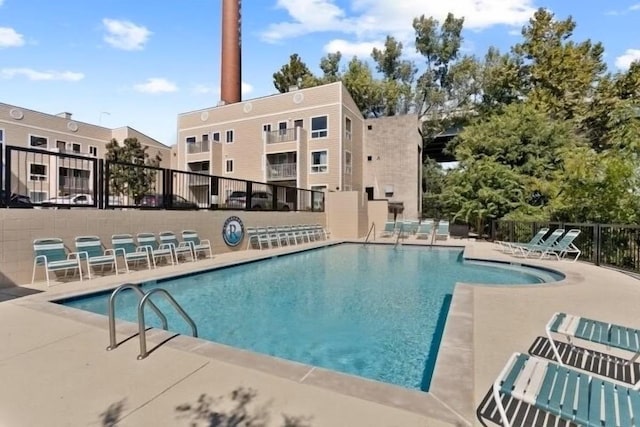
(9, 37)
(350, 49)
(635, 7)
(69, 76)
(624, 61)
(246, 88)
(125, 35)
(155, 85)
(370, 19)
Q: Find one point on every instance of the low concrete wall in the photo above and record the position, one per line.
(347, 215)
(21, 226)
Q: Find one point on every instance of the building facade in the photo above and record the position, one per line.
(43, 176)
(310, 138)
(393, 163)
(313, 138)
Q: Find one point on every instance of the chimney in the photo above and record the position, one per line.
(64, 115)
(231, 64)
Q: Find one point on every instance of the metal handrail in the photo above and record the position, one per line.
(372, 228)
(141, 323)
(399, 235)
(112, 312)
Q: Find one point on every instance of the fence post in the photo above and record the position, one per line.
(597, 244)
(274, 197)
(103, 203)
(215, 192)
(167, 188)
(7, 176)
(247, 199)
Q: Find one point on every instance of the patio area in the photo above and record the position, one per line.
(55, 368)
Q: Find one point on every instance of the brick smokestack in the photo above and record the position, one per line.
(231, 64)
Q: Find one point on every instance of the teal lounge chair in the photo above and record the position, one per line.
(564, 246)
(158, 251)
(91, 249)
(595, 331)
(565, 393)
(442, 230)
(53, 256)
(180, 249)
(425, 230)
(389, 229)
(526, 250)
(509, 247)
(198, 245)
(124, 246)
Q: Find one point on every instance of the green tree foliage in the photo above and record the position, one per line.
(365, 90)
(398, 76)
(433, 182)
(127, 176)
(330, 66)
(295, 73)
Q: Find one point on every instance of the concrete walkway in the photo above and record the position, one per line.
(55, 370)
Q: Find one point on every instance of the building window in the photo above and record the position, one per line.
(229, 137)
(319, 128)
(216, 137)
(1, 135)
(282, 128)
(319, 161)
(190, 140)
(75, 148)
(37, 172)
(318, 198)
(369, 127)
(266, 128)
(93, 150)
(347, 162)
(229, 166)
(369, 158)
(347, 128)
(61, 146)
(38, 141)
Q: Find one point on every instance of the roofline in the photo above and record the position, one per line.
(56, 116)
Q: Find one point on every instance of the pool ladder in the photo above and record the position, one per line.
(144, 298)
(371, 229)
(400, 235)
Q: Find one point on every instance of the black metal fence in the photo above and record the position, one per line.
(611, 245)
(31, 177)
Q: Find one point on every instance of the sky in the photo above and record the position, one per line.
(140, 63)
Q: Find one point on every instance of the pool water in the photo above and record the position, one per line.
(372, 311)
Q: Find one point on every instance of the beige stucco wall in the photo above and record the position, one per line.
(378, 213)
(19, 227)
(347, 214)
(393, 144)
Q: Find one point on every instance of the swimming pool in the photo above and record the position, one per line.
(373, 311)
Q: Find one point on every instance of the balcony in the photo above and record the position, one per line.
(76, 184)
(282, 171)
(281, 135)
(198, 147)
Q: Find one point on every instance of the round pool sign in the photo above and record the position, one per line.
(233, 231)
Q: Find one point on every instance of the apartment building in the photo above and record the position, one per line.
(309, 138)
(313, 138)
(45, 176)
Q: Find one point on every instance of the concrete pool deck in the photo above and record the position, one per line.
(55, 370)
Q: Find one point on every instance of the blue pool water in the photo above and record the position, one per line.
(372, 311)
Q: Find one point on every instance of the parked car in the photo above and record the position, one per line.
(156, 201)
(71, 200)
(259, 200)
(15, 201)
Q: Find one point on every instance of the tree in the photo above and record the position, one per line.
(295, 73)
(330, 66)
(366, 92)
(128, 175)
(398, 76)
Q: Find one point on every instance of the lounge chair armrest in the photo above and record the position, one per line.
(78, 255)
(120, 251)
(110, 252)
(41, 258)
(146, 248)
(163, 246)
(208, 242)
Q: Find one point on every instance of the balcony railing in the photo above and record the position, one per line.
(282, 171)
(281, 135)
(198, 181)
(73, 182)
(198, 147)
